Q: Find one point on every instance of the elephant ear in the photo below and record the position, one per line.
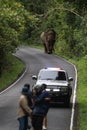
(43, 36)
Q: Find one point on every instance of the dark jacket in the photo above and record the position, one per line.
(41, 105)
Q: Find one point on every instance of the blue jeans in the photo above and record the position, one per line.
(23, 123)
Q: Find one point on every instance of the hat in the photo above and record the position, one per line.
(25, 91)
(43, 86)
(37, 88)
(27, 85)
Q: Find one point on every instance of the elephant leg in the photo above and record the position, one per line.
(45, 48)
(49, 48)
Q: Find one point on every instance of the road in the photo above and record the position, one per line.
(58, 117)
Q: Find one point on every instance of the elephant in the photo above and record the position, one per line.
(48, 38)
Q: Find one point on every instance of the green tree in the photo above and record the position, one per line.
(15, 21)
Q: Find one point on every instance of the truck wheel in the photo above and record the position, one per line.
(67, 102)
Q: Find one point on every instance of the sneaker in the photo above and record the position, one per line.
(44, 128)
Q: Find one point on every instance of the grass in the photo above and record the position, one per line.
(11, 74)
(82, 92)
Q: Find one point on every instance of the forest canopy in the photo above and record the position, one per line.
(24, 20)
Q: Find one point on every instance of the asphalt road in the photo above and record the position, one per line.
(59, 118)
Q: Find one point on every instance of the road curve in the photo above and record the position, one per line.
(59, 118)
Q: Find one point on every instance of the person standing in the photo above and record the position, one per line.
(46, 96)
(29, 95)
(24, 110)
(41, 107)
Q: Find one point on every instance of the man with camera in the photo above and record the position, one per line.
(41, 106)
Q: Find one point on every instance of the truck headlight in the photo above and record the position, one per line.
(56, 90)
(47, 89)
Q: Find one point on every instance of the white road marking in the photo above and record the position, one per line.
(74, 100)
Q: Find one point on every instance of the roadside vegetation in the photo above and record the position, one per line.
(81, 92)
(12, 73)
(21, 23)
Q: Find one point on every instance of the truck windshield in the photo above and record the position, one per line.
(52, 75)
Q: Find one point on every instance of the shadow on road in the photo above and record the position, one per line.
(60, 105)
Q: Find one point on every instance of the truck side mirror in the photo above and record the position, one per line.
(34, 77)
(70, 79)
